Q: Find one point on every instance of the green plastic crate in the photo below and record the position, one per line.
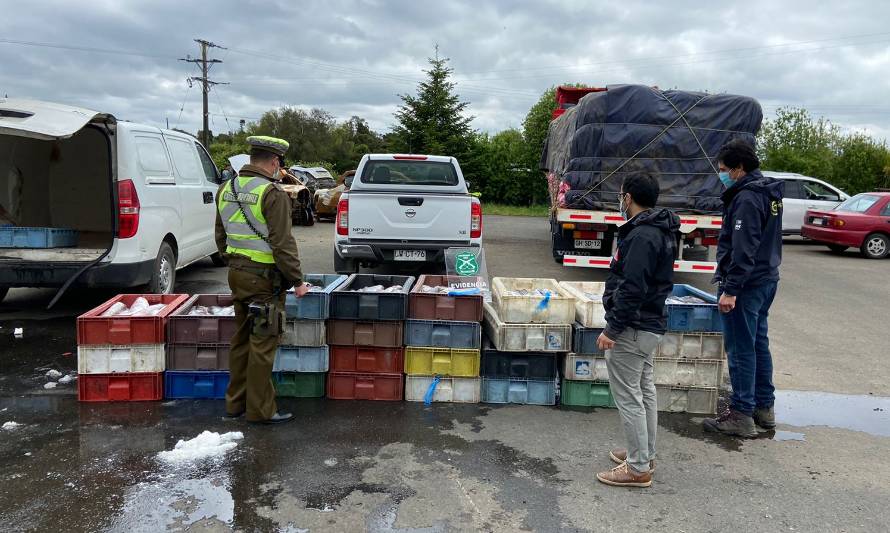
(299, 384)
(586, 394)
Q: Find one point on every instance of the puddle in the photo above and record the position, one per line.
(869, 414)
(788, 435)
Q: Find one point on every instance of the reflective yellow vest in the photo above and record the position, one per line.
(240, 238)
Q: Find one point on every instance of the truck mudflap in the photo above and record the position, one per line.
(701, 267)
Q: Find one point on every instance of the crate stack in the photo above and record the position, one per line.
(688, 364)
(443, 341)
(365, 333)
(303, 358)
(528, 327)
(119, 357)
(198, 344)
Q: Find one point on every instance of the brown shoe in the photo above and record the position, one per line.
(619, 455)
(625, 476)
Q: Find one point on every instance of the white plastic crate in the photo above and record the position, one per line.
(452, 390)
(303, 333)
(688, 372)
(585, 368)
(687, 400)
(119, 359)
(588, 313)
(677, 345)
(531, 309)
(526, 337)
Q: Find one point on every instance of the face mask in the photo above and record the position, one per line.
(727, 181)
(622, 208)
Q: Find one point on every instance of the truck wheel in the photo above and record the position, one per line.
(3, 292)
(217, 259)
(163, 277)
(345, 266)
(876, 246)
(837, 248)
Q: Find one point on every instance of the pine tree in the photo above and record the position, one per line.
(432, 122)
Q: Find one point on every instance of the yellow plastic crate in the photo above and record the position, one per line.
(458, 362)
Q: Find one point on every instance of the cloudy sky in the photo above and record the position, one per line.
(355, 57)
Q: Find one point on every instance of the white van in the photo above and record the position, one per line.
(140, 198)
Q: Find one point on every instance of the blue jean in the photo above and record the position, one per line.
(745, 336)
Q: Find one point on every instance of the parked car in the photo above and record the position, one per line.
(861, 222)
(803, 193)
(326, 200)
(314, 178)
(404, 208)
(141, 199)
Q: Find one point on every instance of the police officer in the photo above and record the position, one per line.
(253, 234)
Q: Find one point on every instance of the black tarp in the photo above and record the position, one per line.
(672, 135)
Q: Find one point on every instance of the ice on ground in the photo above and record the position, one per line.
(50, 385)
(53, 374)
(330, 462)
(64, 380)
(9, 426)
(206, 445)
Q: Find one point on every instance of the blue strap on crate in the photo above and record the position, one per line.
(545, 302)
(431, 391)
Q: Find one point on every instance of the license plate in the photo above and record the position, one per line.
(588, 245)
(409, 255)
(817, 221)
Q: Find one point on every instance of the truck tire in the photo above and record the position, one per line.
(876, 246)
(163, 277)
(345, 266)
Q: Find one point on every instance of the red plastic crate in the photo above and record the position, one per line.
(357, 386)
(366, 359)
(428, 306)
(93, 328)
(134, 387)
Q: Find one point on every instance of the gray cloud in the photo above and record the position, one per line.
(355, 57)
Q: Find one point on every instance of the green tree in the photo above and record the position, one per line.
(504, 178)
(536, 125)
(310, 133)
(796, 142)
(863, 164)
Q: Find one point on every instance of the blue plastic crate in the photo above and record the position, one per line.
(195, 384)
(694, 317)
(315, 305)
(584, 341)
(519, 391)
(443, 334)
(302, 359)
(18, 237)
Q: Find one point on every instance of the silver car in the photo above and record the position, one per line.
(803, 193)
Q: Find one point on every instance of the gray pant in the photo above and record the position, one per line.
(631, 380)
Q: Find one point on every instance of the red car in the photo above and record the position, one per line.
(862, 222)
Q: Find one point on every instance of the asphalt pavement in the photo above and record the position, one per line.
(366, 466)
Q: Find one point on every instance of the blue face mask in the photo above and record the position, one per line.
(622, 208)
(724, 177)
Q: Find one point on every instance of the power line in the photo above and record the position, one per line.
(82, 48)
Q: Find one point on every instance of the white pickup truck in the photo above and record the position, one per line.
(404, 208)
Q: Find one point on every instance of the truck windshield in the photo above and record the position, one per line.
(393, 172)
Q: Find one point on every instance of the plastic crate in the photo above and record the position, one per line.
(135, 387)
(94, 329)
(299, 384)
(195, 384)
(357, 386)
(384, 334)
(526, 337)
(198, 357)
(450, 390)
(586, 394)
(426, 306)
(301, 359)
(691, 346)
(585, 341)
(560, 308)
(687, 400)
(588, 313)
(314, 305)
(520, 391)
(350, 305)
(689, 372)
(184, 329)
(367, 360)
(442, 362)
(21, 237)
(694, 317)
(304, 333)
(112, 359)
(497, 364)
(443, 334)
(579, 367)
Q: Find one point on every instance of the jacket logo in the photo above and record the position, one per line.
(738, 224)
(775, 206)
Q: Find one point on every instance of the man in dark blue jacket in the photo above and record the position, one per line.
(641, 278)
(749, 253)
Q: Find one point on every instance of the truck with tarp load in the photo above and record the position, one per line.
(600, 135)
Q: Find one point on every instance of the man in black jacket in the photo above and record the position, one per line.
(641, 278)
(749, 253)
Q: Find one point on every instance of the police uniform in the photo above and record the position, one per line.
(253, 234)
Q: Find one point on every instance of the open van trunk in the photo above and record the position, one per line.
(56, 171)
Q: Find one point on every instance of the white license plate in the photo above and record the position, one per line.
(588, 245)
(817, 221)
(409, 255)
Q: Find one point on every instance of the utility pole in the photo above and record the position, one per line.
(206, 83)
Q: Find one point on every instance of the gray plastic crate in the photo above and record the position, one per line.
(314, 305)
(347, 303)
(304, 333)
(519, 391)
(443, 334)
(301, 359)
(584, 340)
(686, 400)
(680, 345)
(526, 337)
(688, 372)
